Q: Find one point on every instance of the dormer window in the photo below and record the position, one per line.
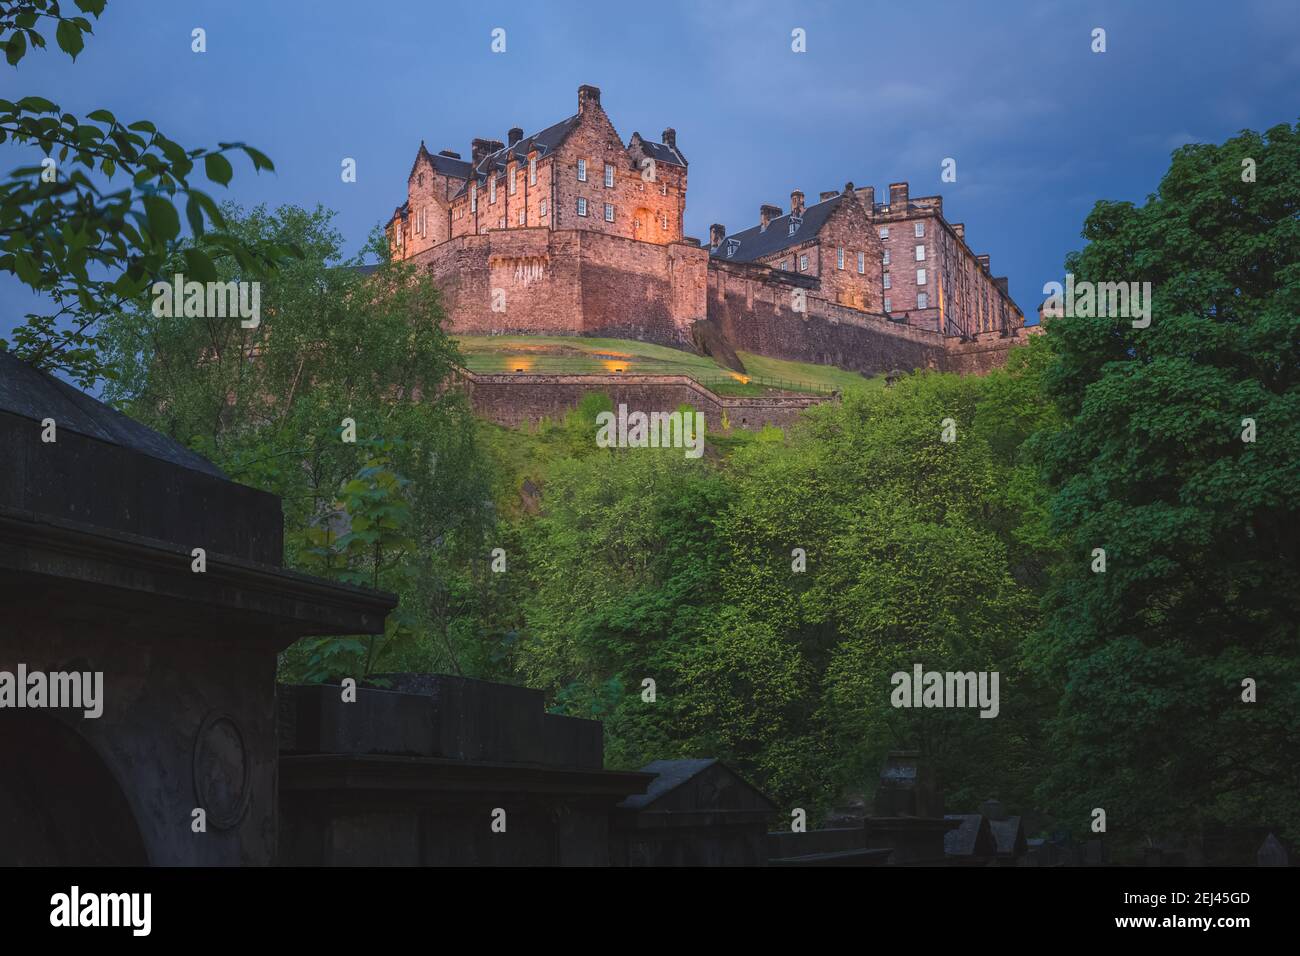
(732, 246)
(492, 189)
(532, 171)
(795, 223)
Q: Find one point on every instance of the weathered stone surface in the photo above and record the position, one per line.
(89, 481)
(479, 720)
(708, 337)
(96, 531)
(527, 399)
(573, 742)
(315, 719)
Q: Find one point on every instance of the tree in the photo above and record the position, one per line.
(643, 564)
(65, 233)
(341, 384)
(1199, 518)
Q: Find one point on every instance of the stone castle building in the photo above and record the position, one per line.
(571, 231)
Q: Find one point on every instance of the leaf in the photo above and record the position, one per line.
(37, 104)
(218, 168)
(16, 47)
(259, 158)
(199, 266)
(164, 223)
(93, 7)
(69, 37)
(194, 213)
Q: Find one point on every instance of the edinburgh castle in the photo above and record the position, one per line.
(570, 231)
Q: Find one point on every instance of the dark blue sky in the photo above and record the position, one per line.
(1039, 125)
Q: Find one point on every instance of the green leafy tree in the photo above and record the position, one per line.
(1201, 529)
(340, 349)
(68, 232)
(642, 564)
(907, 547)
(377, 549)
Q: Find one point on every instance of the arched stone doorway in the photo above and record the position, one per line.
(59, 804)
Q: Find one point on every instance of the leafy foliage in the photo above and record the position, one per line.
(67, 233)
(1201, 529)
(405, 505)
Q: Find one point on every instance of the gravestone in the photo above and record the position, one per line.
(908, 812)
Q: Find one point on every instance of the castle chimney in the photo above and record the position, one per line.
(868, 196)
(984, 261)
(514, 136)
(766, 214)
(796, 203)
(960, 229)
(448, 152)
(483, 147)
(717, 232)
(822, 197)
(670, 137)
(898, 197)
(588, 96)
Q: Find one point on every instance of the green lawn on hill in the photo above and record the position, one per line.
(571, 355)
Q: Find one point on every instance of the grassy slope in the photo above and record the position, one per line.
(506, 353)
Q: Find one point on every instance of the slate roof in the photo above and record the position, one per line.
(755, 242)
(962, 841)
(449, 166)
(544, 142)
(29, 393)
(671, 775)
(663, 153)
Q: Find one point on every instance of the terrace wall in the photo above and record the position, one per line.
(526, 399)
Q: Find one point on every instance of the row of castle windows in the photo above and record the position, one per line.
(918, 228)
(862, 261)
(920, 278)
(609, 209)
(609, 174)
(922, 302)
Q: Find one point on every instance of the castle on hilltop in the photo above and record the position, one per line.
(570, 231)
